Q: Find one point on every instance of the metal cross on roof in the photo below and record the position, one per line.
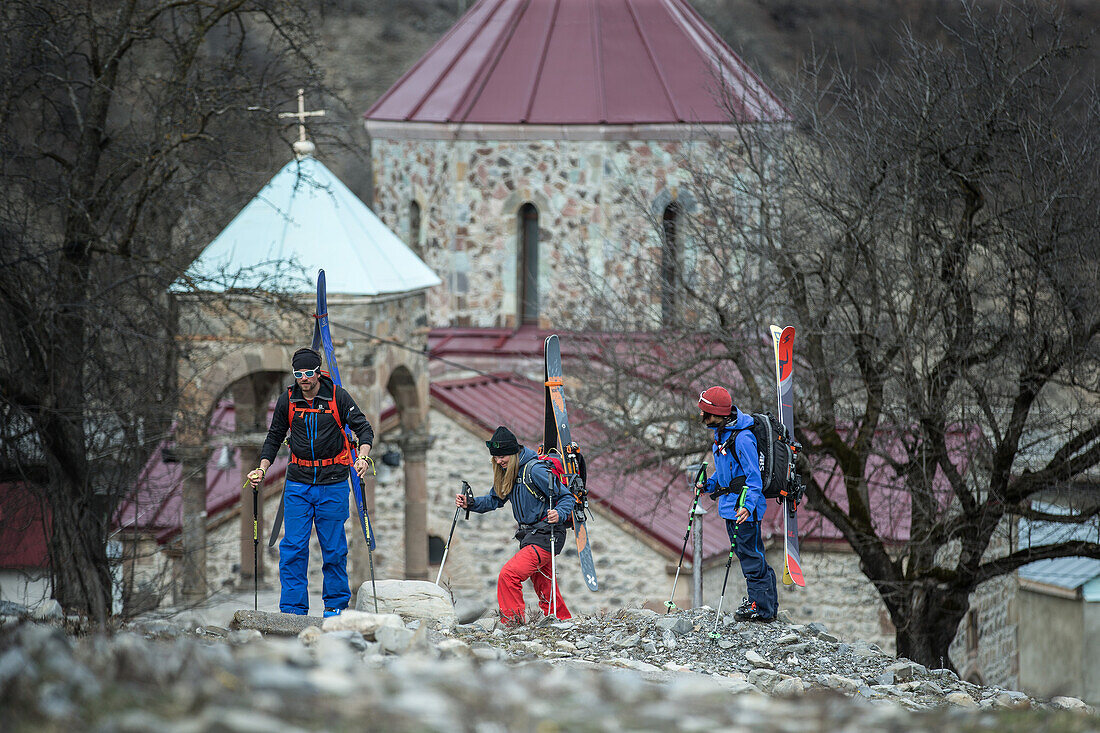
(301, 114)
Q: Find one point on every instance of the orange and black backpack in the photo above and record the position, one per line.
(344, 458)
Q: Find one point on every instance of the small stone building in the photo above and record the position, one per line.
(537, 138)
(251, 306)
(1059, 617)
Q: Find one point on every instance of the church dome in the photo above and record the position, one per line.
(578, 62)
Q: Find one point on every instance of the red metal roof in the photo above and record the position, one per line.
(578, 62)
(657, 500)
(156, 504)
(22, 528)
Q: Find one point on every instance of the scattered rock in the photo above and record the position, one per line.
(1071, 703)
(244, 636)
(903, 670)
(764, 679)
(48, 610)
(624, 671)
(789, 687)
(362, 622)
(961, 699)
(280, 624)
(394, 639)
(454, 648)
(758, 661)
(409, 599)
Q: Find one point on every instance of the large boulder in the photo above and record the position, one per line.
(280, 624)
(408, 598)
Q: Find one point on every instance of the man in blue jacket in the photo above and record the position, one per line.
(738, 488)
(541, 505)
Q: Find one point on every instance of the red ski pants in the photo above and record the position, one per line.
(534, 563)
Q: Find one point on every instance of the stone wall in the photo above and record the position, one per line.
(225, 344)
(597, 203)
(237, 347)
(993, 658)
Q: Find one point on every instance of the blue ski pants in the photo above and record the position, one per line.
(759, 576)
(305, 506)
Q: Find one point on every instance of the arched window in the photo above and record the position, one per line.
(414, 227)
(436, 545)
(670, 262)
(528, 264)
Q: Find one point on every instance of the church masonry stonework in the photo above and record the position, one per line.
(238, 349)
(596, 201)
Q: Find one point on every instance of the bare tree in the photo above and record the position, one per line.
(126, 137)
(935, 237)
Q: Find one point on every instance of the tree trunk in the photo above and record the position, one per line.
(78, 552)
(932, 621)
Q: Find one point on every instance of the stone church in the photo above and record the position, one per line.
(533, 135)
(533, 138)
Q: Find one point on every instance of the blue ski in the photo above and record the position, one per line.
(323, 339)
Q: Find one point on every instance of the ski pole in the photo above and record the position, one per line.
(721, 599)
(255, 548)
(468, 493)
(553, 578)
(729, 560)
(699, 476)
(255, 544)
(370, 560)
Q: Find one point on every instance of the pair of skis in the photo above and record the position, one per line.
(783, 342)
(322, 339)
(557, 439)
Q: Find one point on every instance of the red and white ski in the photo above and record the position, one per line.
(783, 341)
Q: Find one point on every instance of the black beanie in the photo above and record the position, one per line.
(503, 443)
(305, 359)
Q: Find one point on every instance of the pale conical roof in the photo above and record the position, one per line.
(307, 217)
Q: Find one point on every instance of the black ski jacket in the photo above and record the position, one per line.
(315, 435)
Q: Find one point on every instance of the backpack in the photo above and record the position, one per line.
(345, 456)
(557, 470)
(773, 443)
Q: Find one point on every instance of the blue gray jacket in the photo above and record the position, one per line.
(528, 508)
(743, 460)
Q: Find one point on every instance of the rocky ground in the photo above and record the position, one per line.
(629, 671)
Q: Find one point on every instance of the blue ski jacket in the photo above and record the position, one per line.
(729, 466)
(529, 507)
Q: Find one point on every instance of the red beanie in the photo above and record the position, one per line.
(716, 401)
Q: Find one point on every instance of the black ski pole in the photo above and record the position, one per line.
(701, 475)
(255, 548)
(370, 557)
(729, 560)
(468, 493)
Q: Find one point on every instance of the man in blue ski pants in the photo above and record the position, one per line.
(737, 486)
(315, 410)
